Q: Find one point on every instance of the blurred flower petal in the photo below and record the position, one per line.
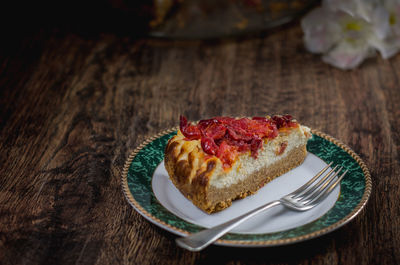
(347, 6)
(347, 56)
(386, 48)
(380, 22)
(356, 8)
(320, 30)
(393, 7)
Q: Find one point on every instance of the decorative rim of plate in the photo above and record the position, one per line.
(266, 243)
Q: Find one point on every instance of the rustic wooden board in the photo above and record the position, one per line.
(74, 106)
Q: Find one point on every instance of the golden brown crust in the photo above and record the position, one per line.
(203, 178)
(190, 173)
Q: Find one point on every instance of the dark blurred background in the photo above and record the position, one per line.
(84, 17)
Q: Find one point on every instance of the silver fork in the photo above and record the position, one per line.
(304, 198)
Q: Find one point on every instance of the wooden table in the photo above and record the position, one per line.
(75, 103)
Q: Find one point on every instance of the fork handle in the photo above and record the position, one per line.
(202, 239)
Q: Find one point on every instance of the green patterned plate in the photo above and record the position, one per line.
(145, 160)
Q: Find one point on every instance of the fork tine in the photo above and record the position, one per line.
(318, 188)
(327, 190)
(321, 184)
(312, 186)
(307, 185)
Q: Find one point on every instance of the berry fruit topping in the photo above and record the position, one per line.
(226, 137)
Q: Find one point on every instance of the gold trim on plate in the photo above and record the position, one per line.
(350, 216)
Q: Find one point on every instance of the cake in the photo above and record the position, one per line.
(222, 159)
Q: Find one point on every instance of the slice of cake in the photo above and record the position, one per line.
(222, 159)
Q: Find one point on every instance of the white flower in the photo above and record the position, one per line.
(390, 44)
(355, 8)
(348, 31)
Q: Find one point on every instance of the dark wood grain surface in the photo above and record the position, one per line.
(73, 105)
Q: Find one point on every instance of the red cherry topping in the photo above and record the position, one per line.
(215, 131)
(191, 132)
(255, 145)
(209, 145)
(285, 121)
(227, 137)
(281, 148)
(227, 153)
